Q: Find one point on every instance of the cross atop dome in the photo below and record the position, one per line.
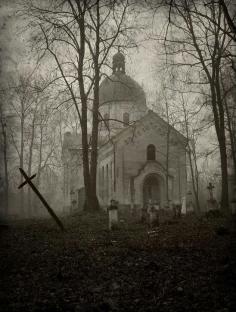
(118, 65)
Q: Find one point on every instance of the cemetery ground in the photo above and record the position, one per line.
(186, 265)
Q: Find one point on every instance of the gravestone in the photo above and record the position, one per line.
(113, 215)
(153, 215)
(177, 207)
(211, 202)
(184, 204)
(189, 205)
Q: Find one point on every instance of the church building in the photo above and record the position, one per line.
(141, 158)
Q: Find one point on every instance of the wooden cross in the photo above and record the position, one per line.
(49, 209)
(25, 182)
(210, 188)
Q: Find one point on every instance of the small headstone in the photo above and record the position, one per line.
(113, 215)
(177, 207)
(184, 204)
(153, 215)
(189, 203)
(190, 207)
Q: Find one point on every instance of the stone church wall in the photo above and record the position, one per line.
(132, 157)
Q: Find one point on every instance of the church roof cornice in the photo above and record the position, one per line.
(136, 123)
(115, 139)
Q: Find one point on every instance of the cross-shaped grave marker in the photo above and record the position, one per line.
(210, 188)
(49, 209)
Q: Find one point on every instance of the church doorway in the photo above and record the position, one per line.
(152, 190)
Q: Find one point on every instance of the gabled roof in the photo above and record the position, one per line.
(74, 141)
(151, 114)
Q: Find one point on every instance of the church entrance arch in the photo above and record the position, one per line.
(152, 189)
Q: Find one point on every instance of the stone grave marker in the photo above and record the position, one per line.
(211, 202)
(153, 215)
(113, 215)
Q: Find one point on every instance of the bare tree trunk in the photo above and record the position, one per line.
(38, 176)
(213, 75)
(22, 122)
(167, 153)
(228, 18)
(30, 165)
(6, 180)
(194, 180)
(191, 151)
(232, 139)
(224, 173)
(229, 119)
(221, 136)
(95, 122)
(84, 36)
(84, 118)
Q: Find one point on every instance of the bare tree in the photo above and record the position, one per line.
(229, 96)
(195, 40)
(230, 19)
(79, 35)
(165, 111)
(25, 102)
(21, 104)
(5, 158)
(191, 135)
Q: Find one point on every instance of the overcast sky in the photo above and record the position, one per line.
(141, 64)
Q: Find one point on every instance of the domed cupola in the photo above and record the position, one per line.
(120, 87)
(118, 65)
(120, 96)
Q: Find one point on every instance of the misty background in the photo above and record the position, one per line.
(35, 131)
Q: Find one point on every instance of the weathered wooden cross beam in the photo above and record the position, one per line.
(49, 209)
(25, 182)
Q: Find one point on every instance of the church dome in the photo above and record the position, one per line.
(118, 56)
(120, 87)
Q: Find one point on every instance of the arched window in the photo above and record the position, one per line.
(106, 120)
(151, 152)
(126, 119)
